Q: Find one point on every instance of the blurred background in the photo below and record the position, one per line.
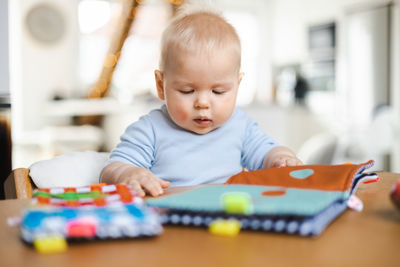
(321, 76)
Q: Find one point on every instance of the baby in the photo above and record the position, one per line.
(197, 136)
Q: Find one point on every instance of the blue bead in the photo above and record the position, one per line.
(135, 211)
(68, 213)
(33, 219)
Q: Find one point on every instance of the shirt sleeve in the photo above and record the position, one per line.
(256, 146)
(137, 145)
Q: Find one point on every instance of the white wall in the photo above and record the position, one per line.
(37, 69)
(395, 85)
(4, 74)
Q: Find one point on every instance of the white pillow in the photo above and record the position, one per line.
(69, 170)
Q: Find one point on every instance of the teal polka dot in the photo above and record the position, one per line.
(301, 174)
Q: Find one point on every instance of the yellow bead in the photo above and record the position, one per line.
(51, 244)
(225, 227)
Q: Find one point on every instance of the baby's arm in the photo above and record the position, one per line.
(139, 178)
(281, 156)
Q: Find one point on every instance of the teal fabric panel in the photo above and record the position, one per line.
(302, 202)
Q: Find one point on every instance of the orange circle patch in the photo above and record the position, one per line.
(274, 193)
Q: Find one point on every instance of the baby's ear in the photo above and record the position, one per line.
(241, 74)
(159, 84)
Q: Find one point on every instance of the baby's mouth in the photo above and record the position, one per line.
(203, 121)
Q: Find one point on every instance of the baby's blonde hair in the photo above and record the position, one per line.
(197, 29)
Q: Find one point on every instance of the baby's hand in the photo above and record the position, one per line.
(142, 179)
(280, 157)
(285, 160)
(139, 178)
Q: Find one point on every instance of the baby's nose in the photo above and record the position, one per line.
(202, 101)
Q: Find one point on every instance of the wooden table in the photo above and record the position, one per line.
(368, 238)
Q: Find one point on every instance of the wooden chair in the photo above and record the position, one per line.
(19, 184)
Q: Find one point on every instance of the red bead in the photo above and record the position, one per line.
(72, 203)
(70, 189)
(81, 229)
(43, 200)
(125, 193)
(395, 194)
(99, 201)
(95, 187)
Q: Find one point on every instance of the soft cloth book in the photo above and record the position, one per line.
(297, 200)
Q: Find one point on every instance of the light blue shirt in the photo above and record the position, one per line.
(182, 157)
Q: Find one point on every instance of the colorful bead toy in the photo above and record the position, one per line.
(99, 195)
(97, 211)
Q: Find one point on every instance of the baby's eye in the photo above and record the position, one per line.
(186, 92)
(218, 92)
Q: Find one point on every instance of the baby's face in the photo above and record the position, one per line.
(200, 90)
